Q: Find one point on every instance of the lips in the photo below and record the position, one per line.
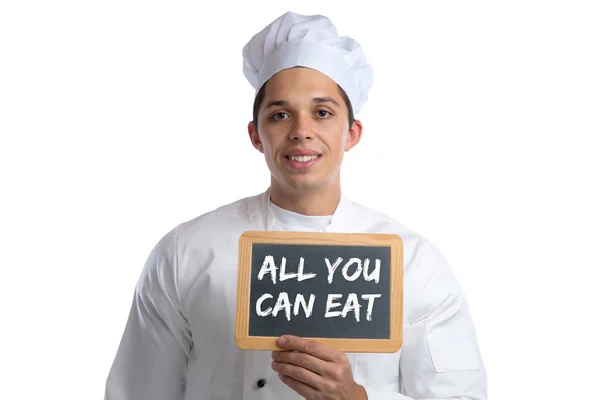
(301, 153)
(302, 158)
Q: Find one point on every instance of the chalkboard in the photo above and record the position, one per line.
(343, 289)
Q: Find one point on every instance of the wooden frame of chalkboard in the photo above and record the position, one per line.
(387, 340)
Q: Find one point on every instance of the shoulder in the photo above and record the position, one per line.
(187, 249)
(378, 221)
(421, 250)
(221, 220)
(428, 276)
(208, 230)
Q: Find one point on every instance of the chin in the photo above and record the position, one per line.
(305, 184)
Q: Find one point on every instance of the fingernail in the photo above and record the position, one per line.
(282, 340)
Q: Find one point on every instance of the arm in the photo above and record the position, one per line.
(151, 360)
(440, 357)
(440, 361)
(440, 354)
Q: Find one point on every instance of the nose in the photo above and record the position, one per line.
(301, 129)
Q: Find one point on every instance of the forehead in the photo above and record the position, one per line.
(301, 81)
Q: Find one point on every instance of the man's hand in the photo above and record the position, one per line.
(315, 371)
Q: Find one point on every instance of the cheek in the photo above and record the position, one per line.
(266, 143)
(344, 140)
(272, 149)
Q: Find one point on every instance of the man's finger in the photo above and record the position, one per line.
(301, 359)
(308, 346)
(304, 390)
(299, 374)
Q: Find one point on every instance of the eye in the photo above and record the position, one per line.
(323, 113)
(278, 116)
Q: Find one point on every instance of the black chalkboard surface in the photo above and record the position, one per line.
(341, 289)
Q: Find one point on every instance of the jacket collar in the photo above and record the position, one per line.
(342, 219)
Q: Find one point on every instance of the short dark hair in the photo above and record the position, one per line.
(261, 95)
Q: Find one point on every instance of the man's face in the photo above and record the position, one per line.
(303, 130)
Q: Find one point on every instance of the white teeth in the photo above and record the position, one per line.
(302, 158)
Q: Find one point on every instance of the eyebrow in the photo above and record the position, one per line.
(318, 100)
(325, 100)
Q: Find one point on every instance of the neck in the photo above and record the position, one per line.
(314, 203)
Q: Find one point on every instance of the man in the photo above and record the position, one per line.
(179, 339)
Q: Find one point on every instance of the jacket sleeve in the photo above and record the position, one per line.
(151, 360)
(440, 356)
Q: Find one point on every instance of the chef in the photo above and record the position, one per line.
(178, 341)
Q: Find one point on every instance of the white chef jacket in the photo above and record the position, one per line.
(179, 344)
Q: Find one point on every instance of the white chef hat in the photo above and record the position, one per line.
(310, 41)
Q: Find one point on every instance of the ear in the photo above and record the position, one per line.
(255, 137)
(354, 135)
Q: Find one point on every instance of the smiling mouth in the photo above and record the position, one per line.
(302, 159)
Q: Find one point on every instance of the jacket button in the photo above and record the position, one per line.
(260, 383)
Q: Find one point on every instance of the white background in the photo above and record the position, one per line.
(121, 119)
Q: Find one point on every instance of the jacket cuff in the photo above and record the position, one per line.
(377, 394)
